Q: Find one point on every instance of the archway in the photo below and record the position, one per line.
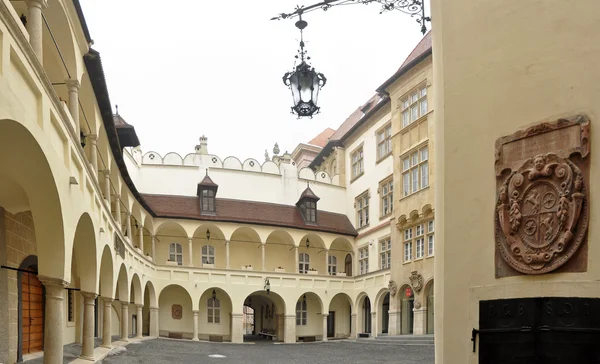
(309, 319)
(339, 319)
(245, 249)
(385, 313)
(348, 265)
(364, 315)
(311, 255)
(31, 301)
(407, 298)
(210, 247)
(280, 252)
(430, 307)
(176, 319)
(172, 245)
(150, 302)
(264, 317)
(214, 315)
(136, 297)
(122, 301)
(107, 293)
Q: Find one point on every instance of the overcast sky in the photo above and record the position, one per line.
(181, 69)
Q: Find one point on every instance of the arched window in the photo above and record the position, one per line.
(208, 254)
(332, 265)
(176, 253)
(303, 262)
(214, 311)
(301, 313)
(348, 264)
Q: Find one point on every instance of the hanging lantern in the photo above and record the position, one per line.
(207, 234)
(304, 81)
(214, 294)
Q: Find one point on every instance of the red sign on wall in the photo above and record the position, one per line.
(408, 292)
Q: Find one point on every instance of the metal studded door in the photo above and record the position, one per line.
(542, 330)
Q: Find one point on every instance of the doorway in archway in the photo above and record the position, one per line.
(263, 318)
(385, 314)
(367, 315)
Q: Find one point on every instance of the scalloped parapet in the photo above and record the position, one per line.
(235, 164)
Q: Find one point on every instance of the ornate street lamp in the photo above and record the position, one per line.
(304, 81)
(207, 234)
(82, 139)
(307, 243)
(267, 285)
(214, 294)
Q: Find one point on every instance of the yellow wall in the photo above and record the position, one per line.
(499, 67)
(170, 296)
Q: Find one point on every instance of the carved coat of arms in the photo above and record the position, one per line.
(416, 281)
(541, 214)
(392, 288)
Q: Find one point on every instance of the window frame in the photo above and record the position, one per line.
(362, 211)
(385, 252)
(430, 238)
(208, 256)
(363, 260)
(301, 313)
(421, 238)
(176, 254)
(332, 265)
(207, 201)
(385, 133)
(386, 196)
(359, 162)
(415, 170)
(303, 263)
(309, 211)
(409, 103)
(213, 311)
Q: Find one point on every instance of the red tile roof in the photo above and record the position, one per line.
(322, 139)
(251, 212)
(207, 181)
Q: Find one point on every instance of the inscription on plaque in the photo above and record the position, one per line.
(542, 210)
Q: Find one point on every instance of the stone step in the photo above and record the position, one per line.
(416, 340)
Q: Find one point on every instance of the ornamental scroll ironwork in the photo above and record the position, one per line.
(542, 210)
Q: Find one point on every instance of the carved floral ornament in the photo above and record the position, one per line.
(542, 209)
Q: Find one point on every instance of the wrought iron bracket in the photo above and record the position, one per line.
(475, 332)
(474, 338)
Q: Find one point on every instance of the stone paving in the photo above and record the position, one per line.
(344, 352)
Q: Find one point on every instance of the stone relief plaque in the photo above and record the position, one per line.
(176, 312)
(542, 209)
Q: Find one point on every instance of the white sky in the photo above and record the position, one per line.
(180, 69)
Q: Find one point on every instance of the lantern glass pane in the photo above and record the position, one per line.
(306, 81)
(315, 84)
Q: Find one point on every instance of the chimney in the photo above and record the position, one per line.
(202, 148)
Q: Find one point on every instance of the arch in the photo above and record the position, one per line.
(151, 291)
(152, 158)
(84, 254)
(150, 301)
(214, 316)
(340, 247)
(106, 273)
(343, 296)
(316, 249)
(274, 297)
(348, 265)
(232, 163)
(136, 294)
(244, 247)
(122, 289)
(267, 311)
(430, 305)
(175, 311)
(279, 254)
(383, 307)
(167, 233)
(363, 313)
(25, 166)
(340, 309)
(59, 24)
(407, 305)
(173, 159)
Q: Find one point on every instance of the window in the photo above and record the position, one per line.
(419, 242)
(414, 105)
(357, 163)
(176, 253)
(385, 252)
(408, 245)
(332, 265)
(208, 200)
(430, 240)
(208, 254)
(384, 142)
(386, 189)
(309, 209)
(301, 313)
(415, 171)
(362, 210)
(363, 260)
(70, 306)
(214, 311)
(303, 262)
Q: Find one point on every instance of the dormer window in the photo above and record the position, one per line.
(308, 206)
(207, 193)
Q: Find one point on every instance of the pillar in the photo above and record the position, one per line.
(54, 319)
(262, 248)
(191, 258)
(153, 248)
(325, 315)
(87, 344)
(139, 321)
(237, 328)
(35, 25)
(93, 140)
(118, 210)
(394, 327)
(128, 225)
(195, 337)
(227, 253)
(280, 327)
(154, 329)
(420, 321)
(327, 261)
(73, 87)
(374, 324)
(125, 322)
(141, 233)
(353, 327)
(297, 260)
(107, 186)
(106, 320)
(289, 336)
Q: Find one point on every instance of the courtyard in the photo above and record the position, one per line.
(177, 351)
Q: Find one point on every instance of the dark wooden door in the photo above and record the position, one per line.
(32, 313)
(331, 324)
(348, 265)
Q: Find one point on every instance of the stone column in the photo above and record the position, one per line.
(73, 87)
(93, 140)
(106, 320)
(297, 259)
(154, 329)
(125, 321)
(394, 325)
(353, 326)
(237, 328)
(118, 210)
(325, 315)
(374, 324)
(289, 335)
(107, 186)
(420, 321)
(262, 248)
(35, 26)
(141, 232)
(54, 319)
(227, 254)
(153, 248)
(191, 258)
(280, 327)
(195, 337)
(87, 344)
(139, 321)
(128, 225)
(327, 261)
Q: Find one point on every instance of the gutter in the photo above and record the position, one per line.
(84, 26)
(402, 71)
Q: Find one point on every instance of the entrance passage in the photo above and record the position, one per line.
(331, 324)
(32, 313)
(542, 330)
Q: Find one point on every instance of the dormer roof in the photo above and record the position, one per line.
(308, 194)
(206, 182)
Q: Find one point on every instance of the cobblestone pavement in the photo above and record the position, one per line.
(346, 352)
